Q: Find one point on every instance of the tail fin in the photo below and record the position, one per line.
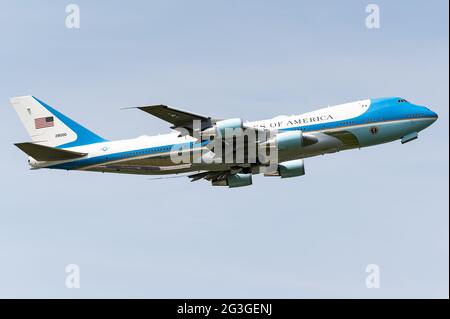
(46, 126)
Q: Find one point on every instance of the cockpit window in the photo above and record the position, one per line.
(402, 101)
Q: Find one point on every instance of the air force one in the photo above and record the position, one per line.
(59, 142)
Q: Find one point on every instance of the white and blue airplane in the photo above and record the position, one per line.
(59, 142)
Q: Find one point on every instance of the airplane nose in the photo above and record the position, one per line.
(428, 117)
(431, 114)
(435, 115)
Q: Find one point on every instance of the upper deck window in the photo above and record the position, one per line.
(402, 101)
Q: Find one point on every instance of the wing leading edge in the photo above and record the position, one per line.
(178, 118)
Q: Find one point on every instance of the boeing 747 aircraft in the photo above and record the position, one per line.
(201, 148)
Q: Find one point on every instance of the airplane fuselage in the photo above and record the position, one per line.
(347, 126)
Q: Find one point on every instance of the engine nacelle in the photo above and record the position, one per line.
(289, 169)
(292, 140)
(289, 140)
(221, 126)
(235, 180)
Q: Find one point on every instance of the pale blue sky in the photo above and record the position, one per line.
(303, 237)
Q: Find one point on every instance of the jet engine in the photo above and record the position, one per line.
(221, 126)
(289, 169)
(291, 140)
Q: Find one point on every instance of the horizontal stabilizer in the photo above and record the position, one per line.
(47, 153)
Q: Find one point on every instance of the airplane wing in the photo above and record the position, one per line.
(183, 119)
(177, 118)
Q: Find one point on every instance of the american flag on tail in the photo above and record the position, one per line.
(43, 122)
